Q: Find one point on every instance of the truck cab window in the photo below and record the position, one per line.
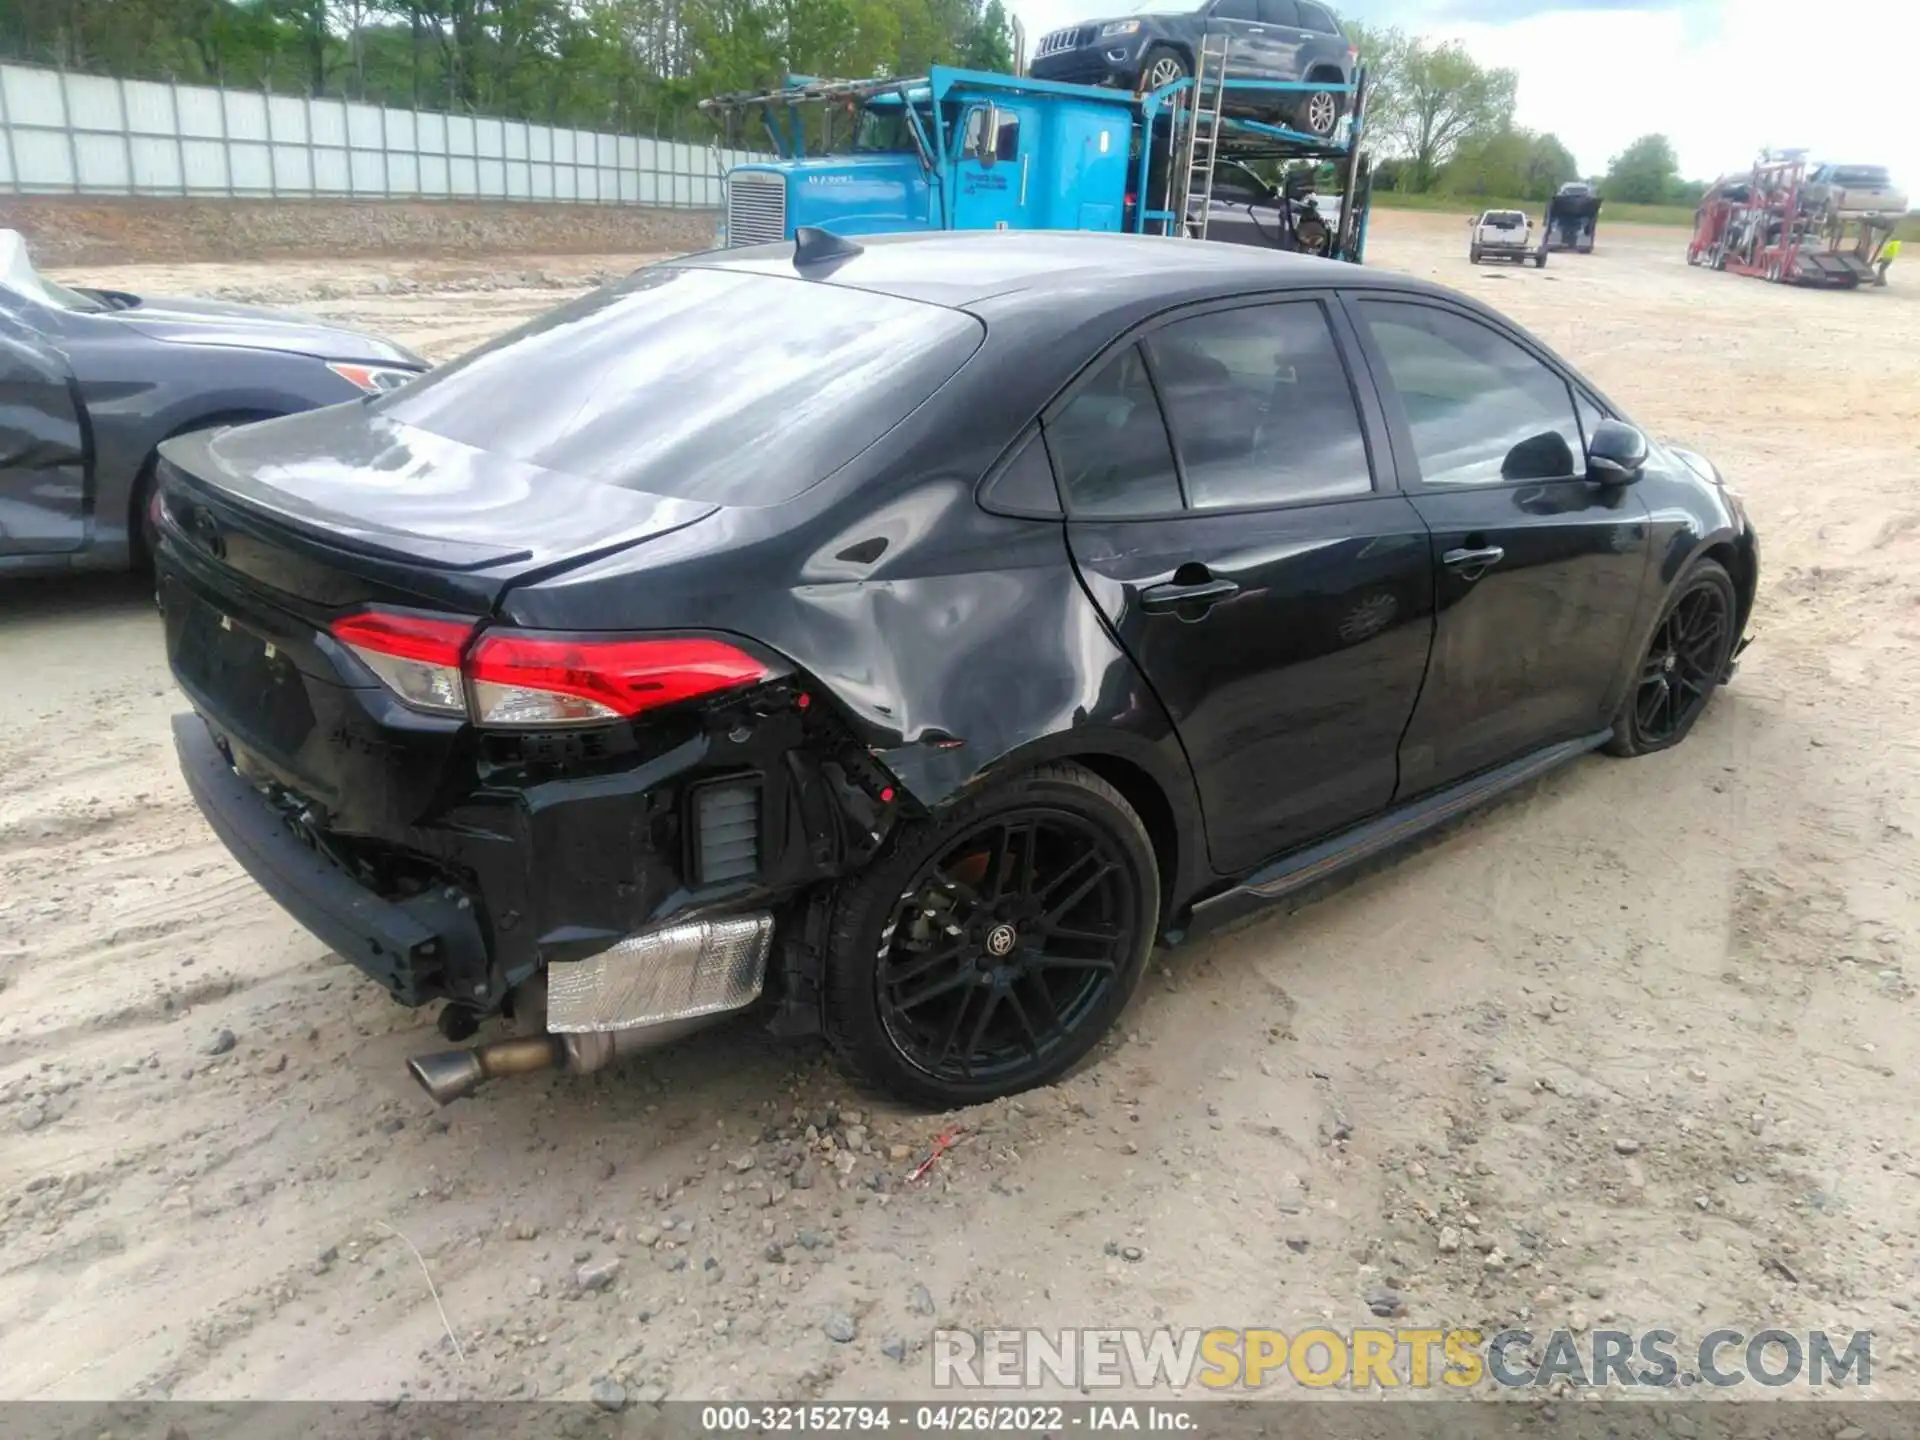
(1006, 139)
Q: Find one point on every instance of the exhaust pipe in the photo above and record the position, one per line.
(447, 1075)
(450, 1074)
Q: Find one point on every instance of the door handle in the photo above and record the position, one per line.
(1472, 564)
(1205, 594)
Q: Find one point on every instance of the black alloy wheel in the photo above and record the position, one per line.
(1685, 662)
(985, 955)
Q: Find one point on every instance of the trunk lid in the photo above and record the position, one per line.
(346, 505)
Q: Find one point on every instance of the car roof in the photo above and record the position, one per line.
(1071, 272)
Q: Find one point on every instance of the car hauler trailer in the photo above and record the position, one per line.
(1758, 225)
(973, 150)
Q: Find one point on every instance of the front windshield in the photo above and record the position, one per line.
(885, 129)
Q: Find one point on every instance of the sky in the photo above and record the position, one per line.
(1722, 79)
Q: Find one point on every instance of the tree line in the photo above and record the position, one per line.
(637, 65)
(1445, 124)
(1442, 121)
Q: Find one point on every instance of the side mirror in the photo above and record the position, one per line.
(1617, 453)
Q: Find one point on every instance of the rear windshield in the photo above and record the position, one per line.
(700, 384)
(1505, 220)
(1860, 175)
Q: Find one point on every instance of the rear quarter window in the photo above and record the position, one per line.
(698, 383)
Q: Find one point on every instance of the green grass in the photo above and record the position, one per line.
(1612, 210)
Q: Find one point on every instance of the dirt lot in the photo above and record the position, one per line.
(1633, 1050)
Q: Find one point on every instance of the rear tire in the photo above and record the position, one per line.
(987, 951)
(1684, 663)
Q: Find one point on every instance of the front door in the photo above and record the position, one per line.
(992, 172)
(1539, 572)
(1223, 516)
(43, 452)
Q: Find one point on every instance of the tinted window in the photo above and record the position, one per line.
(1482, 410)
(1260, 407)
(1281, 12)
(1109, 444)
(1867, 175)
(701, 384)
(1314, 18)
(1236, 10)
(1024, 485)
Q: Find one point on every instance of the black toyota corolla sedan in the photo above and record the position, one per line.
(903, 637)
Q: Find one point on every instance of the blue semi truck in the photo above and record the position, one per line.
(970, 150)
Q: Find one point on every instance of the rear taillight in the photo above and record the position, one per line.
(529, 678)
(521, 678)
(416, 656)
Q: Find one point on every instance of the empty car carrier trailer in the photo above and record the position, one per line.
(971, 150)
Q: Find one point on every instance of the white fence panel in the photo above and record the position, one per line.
(89, 134)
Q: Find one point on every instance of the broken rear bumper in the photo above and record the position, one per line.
(419, 949)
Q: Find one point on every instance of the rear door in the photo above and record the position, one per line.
(1223, 515)
(43, 446)
(1539, 572)
(1253, 51)
(1286, 37)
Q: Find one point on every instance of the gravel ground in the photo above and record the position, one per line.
(1624, 1051)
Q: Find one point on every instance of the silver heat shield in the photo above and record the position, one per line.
(707, 967)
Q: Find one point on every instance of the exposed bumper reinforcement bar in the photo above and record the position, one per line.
(410, 947)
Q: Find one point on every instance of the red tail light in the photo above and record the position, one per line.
(416, 656)
(523, 677)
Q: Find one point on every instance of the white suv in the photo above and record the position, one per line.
(1505, 235)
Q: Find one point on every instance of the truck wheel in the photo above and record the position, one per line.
(1161, 65)
(1474, 254)
(987, 951)
(1540, 261)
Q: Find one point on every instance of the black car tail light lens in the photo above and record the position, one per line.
(527, 678)
(522, 678)
(416, 656)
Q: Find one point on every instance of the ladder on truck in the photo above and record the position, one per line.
(1187, 128)
(1199, 121)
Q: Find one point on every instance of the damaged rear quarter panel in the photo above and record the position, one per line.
(958, 643)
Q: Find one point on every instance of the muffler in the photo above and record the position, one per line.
(645, 991)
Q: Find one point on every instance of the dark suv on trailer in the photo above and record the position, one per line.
(1155, 42)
